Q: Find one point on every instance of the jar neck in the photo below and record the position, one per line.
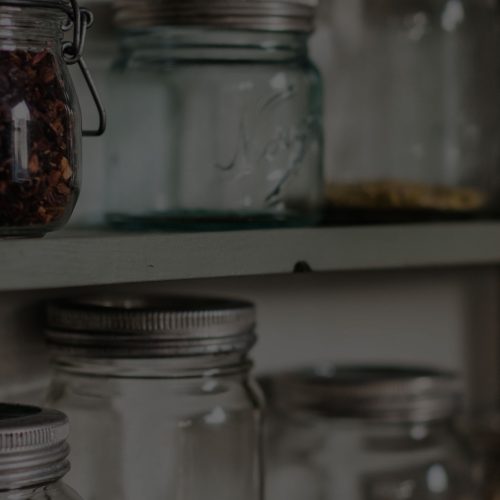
(160, 368)
(30, 493)
(30, 28)
(378, 433)
(212, 45)
(34, 468)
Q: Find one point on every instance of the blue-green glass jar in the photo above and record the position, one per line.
(216, 116)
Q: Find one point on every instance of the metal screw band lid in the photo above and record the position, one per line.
(49, 4)
(33, 448)
(372, 392)
(152, 326)
(268, 15)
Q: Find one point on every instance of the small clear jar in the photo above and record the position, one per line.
(412, 116)
(40, 122)
(162, 387)
(216, 116)
(33, 454)
(366, 433)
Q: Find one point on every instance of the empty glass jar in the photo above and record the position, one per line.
(216, 116)
(366, 433)
(33, 454)
(40, 123)
(162, 387)
(413, 111)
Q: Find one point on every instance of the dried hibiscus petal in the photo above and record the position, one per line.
(37, 181)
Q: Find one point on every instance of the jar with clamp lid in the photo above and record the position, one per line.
(216, 116)
(40, 122)
(367, 433)
(166, 383)
(33, 454)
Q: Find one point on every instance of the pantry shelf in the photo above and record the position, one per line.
(77, 258)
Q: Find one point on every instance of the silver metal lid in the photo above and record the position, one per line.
(267, 15)
(56, 4)
(388, 393)
(59, 7)
(150, 327)
(33, 448)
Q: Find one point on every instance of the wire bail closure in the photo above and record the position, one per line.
(81, 19)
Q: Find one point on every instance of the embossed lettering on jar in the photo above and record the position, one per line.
(217, 115)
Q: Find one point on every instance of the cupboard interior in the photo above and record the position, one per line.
(447, 318)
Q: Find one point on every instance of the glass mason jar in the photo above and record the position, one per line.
(162, 388)
(413, 111)
(33, 454)
(40, 123)
(366, 434)
(216, 116)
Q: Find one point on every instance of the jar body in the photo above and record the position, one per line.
(40, 125)
(213, 129)
(53, 491)
(363, 460)
(412, 116)
(194, 435)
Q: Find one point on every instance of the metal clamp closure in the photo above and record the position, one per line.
(81, 20)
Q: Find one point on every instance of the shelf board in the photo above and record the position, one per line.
(77, 258)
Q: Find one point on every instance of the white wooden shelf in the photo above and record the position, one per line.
(71, 259)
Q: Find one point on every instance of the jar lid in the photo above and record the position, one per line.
(63, 5)
(389, 393)
(267, 15)
(151, 326)
(33, 448)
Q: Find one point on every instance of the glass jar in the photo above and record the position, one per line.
(40, 123)
(366, 433)
(33, 454)
(413, 111)
(216, 116)
(165, 383)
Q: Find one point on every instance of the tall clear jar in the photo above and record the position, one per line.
(33, 454)
(366, 433)
(413, 108)
(216, 116)
(40, 122)
(162, 387)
